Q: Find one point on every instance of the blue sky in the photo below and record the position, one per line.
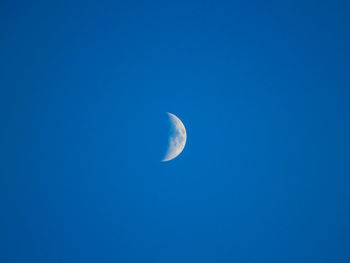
(262, 88)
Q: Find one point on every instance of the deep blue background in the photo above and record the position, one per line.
(262, 88)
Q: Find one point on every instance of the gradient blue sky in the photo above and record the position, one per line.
(262, 88)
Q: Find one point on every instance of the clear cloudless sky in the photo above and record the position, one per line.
(263, 88)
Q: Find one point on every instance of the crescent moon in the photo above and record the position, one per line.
(177, 138)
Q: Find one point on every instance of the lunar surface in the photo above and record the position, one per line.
(177, 138)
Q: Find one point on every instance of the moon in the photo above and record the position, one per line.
(177, 138)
